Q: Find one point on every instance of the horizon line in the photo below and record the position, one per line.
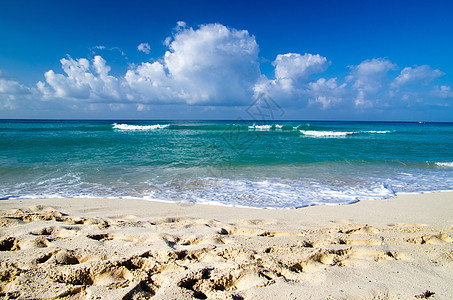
(247, 120)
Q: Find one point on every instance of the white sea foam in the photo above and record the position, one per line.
(261, 127)
(268, 127)
(314, 133)
(139, 127)
(240, 192)
(377, 131)
(406, 174)
(448, 164)
(274, 193)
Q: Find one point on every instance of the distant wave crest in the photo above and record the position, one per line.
(448, 164)
(315, 133)
(139, 127)
(376, 131)
(271, 127)
(327, 134)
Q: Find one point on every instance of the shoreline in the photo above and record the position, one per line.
(360, 209)
(392, 248)
(215, 203)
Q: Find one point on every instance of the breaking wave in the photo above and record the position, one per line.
(448, 164)
(330, 134)
(139, 127)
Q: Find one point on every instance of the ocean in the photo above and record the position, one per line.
(274, 164)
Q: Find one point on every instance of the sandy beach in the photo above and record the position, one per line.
(397, 248)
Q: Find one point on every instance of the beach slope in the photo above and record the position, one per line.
(396, 248)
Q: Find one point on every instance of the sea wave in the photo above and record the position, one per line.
(271, 127)
(315, 133)
(260, 127)
(304, 129)
(139, 127)
(448, 164)
(329, 134)
(257, 192)
(376, 131)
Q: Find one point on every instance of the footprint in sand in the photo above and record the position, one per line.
(361, 230)
(59, 257)
(9, 244)
(57, 231)
(100, 237)
(39, 242)
(437, 239)
(360, 242)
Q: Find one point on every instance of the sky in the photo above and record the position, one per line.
(318, 60)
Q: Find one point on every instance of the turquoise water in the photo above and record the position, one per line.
(281, 164)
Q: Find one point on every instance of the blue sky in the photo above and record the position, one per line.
(329, 60)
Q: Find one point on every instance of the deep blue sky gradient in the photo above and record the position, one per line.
(35, 35)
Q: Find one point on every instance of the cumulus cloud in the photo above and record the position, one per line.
(148, 82)
(215, 65)
(11, 88)
(209, 65)
(370, 75)
(325, 92)
(292, 73)
(418, 75)
(144, 47)
(368, 79)
(11, 91)
(295, 66)
(83, 80)
(443, 92)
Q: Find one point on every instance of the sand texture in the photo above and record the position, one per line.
(132, 249)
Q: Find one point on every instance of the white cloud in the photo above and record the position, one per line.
(141, 107)
(11, 88)
(295, 66)
(418, 75)
(370, 75)
(144, 47)
(214, 65)
(167, 41)
(443, 92)
(83, 80)
(116, 106)
(181, 24)
(149, 83)
(292, 73)
(368, 79)
(325, 92)
(107, 51)
(13, 93)
(374, 88)
(362, 101)
(10, 92)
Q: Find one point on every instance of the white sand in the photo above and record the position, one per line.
(134, 249)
